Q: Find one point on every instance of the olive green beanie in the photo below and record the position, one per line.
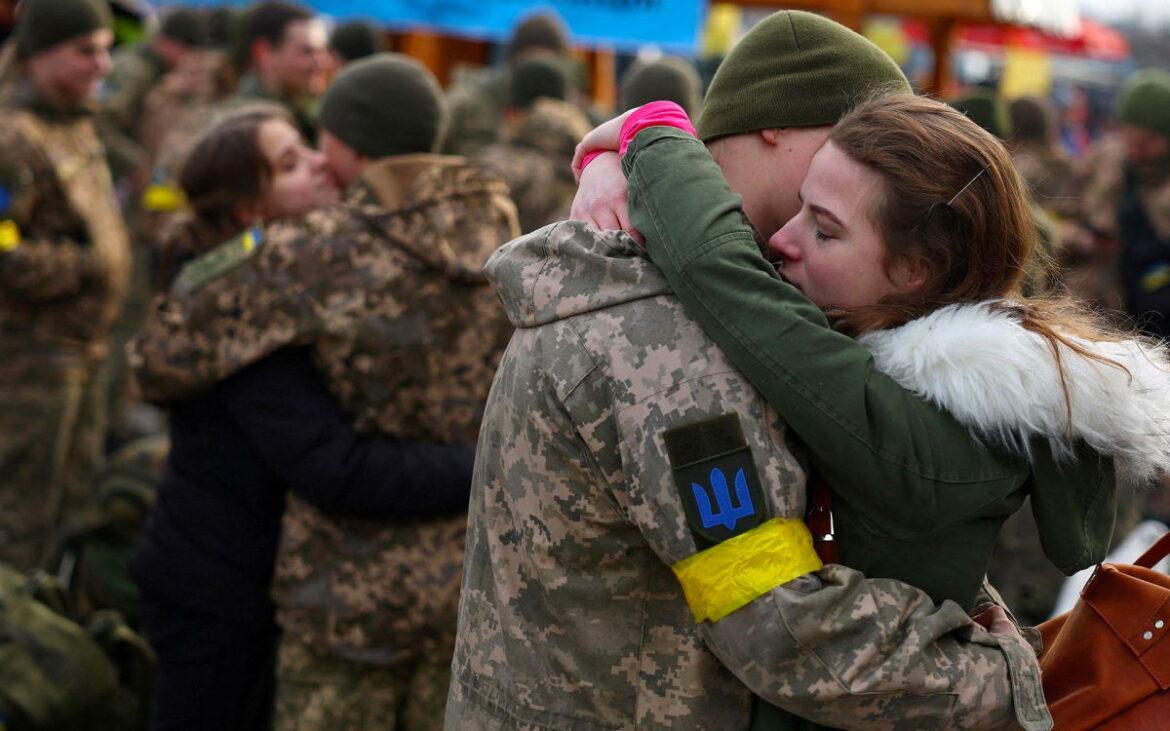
(539, 32)
(185, 26)
(536, 77)
(43, 24)
(795, 69)
(665, 79)
(357, 39)
(987, 110)
(1031, 119)
(1145, 102)
(383, 105)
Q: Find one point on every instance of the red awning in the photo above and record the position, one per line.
(1094, 40)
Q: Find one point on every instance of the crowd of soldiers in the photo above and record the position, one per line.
(104, 330)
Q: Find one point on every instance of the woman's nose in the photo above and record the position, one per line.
(783, 245)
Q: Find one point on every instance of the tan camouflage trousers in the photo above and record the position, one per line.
(52, 428)
(315, 693)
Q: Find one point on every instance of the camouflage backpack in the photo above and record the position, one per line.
(57, 676)
(92, 558)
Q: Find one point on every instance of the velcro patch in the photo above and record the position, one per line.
(220, 260)
(716, 478)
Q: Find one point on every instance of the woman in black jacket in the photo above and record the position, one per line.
(205, 561)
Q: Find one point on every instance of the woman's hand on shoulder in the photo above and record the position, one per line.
(602, 198)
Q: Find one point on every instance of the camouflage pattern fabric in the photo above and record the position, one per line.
(389, 289)
(570, 615)
(63, 273)
(1104, 174)
(535, 161)
(252, 90)
(136, 70)
(475, 110)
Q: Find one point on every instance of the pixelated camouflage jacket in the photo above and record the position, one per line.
(389, 288)
(535, 161)
(571, 617)
(64, 253)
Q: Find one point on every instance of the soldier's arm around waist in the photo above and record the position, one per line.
(302, 434)
(880, 445)
(37, 265)
(711, 496)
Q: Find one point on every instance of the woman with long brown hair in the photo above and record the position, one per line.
(893, 303)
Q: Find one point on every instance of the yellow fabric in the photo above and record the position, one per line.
(159, 197)
(9, 235)
(725, 577)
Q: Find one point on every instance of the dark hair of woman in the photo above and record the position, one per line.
(224, 171)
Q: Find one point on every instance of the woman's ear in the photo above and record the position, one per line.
(908, 275)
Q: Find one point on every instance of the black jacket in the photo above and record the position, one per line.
(210, 541)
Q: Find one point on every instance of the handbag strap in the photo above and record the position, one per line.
(1156, 553)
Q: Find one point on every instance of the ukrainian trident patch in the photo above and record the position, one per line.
(717, 480)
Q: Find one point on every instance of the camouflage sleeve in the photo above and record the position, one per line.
(36, 265)
(708, 490)
(119, 114)
(230, 308)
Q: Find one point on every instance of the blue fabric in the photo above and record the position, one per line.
(623, 23)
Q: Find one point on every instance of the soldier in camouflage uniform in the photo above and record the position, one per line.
(388, 288)
(138, 69)
(535, 154)
(1126, 201)
(64, 263)
(286, 48)
(612, 580)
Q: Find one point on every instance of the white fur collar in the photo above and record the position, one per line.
(979, 363)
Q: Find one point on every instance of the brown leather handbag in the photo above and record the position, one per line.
(1106, 663)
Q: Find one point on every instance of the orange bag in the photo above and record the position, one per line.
(1106, 663)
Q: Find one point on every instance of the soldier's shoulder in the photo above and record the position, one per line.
(226, 257)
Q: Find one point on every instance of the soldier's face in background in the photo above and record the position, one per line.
(1142, 145)
(71, 72)
(300, 182)
(831, 250)
(298, 64)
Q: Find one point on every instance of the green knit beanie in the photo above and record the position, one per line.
(987, 110)
(357, 39)
(185, 26)
(383, 105)
(539, 32)
(1031, 119)
(795, 69)
(1145, 102)
(666, 79)
(536, 77)
(45, 23)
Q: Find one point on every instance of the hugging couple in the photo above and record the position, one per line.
(829, 284)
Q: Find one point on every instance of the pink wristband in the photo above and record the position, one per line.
(654, 114)
(589, 156)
